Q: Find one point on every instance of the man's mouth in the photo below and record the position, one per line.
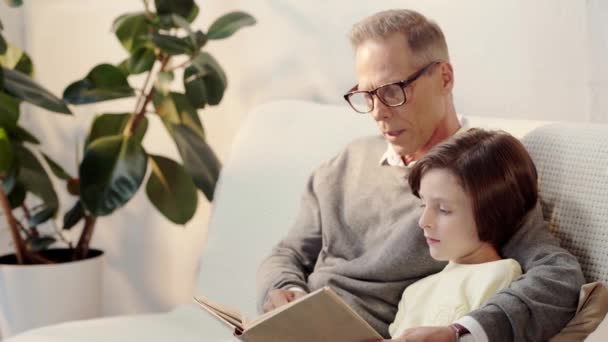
(393, 134)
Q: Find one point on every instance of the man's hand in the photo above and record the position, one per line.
(427, 334)
(280, 297)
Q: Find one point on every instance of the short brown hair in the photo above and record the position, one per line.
(495, 170)
(424, 37)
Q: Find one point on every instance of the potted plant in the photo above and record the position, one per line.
(28, 200)
(162, 45)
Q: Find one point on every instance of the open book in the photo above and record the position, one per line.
(319, 316)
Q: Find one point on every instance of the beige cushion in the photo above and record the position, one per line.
(592, 308)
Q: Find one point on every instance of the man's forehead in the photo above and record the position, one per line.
(380, 62)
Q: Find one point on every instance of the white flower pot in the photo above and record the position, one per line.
(32, 296)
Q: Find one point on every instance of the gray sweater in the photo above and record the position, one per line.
(357, 232)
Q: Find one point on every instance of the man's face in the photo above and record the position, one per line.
(410, 126)
(447, 218)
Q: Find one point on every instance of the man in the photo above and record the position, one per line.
(357, 227)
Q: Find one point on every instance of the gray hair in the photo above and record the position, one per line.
(424, 37)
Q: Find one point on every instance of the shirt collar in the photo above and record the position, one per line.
(392, 158)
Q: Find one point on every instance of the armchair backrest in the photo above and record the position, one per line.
(572, 162)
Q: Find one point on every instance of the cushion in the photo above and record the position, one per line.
(592, 308)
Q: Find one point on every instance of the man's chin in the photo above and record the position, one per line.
(402, 150)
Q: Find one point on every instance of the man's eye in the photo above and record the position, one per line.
(444, 211)
(422, 205)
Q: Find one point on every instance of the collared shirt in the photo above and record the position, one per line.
(392, 158)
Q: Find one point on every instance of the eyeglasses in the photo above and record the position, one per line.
(391, 94)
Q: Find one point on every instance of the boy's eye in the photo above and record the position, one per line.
(422, 205)
(443, 211)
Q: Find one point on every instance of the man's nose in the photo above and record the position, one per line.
(381, 111)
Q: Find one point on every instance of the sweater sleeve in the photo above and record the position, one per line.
(293, 259)
(542, 301)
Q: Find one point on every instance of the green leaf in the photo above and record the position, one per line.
(172, 45)
(180, 22)
(25, 65)
(205, 81)
(200, 38)
(110, 124)
(73, 216)
(180, 7)
(17, 195)
(140, 61)
(111, 171)
(11, 56)
(124, 68)
(207, 89)
(163, 81)
(171, 190)
(193, 14)
(10, 180)
(16, 59)
(37, 244)
(2, 45)
(73, 186)
(34, 177)
(57, 170)
(20, 86)
(42, 216)
(9, 111)
(206, 64)
(7, 156)
(228, 24)
(131, 30)
(165, 76)
(196, 40)
(199, 159)
(196, 89)
(20, 134)
(14, 3)
(104, 82)
(175, 108)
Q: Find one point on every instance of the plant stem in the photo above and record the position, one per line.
(20, 251)
(142, 110)
(142, 96)
(61, 237)
(147, 9)
(82, 248)
(22, 229)
(26, 212)
(40, 259)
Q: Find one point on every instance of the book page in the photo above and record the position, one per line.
(229, 316)
(278, 310)
(321, 316)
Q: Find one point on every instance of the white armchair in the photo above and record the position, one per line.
(257, 198)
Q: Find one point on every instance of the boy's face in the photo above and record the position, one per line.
(447, 218)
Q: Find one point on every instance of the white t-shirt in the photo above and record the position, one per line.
(442, 298)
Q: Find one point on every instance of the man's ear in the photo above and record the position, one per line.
(447, 77)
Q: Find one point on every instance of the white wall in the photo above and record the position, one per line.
(542, 59)
(597, 24)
